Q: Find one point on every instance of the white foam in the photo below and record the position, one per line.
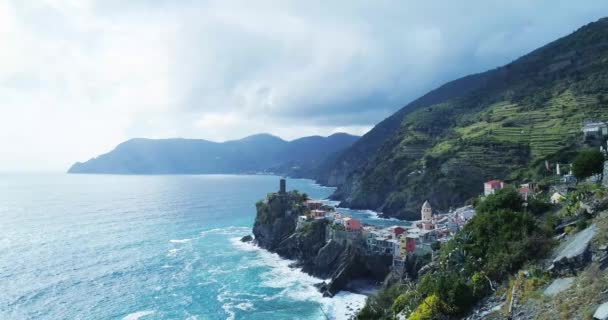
(243, 246)
(180, 240)
(231, 230)
(172, 252)
(245, 306)
(138, 314)
(299, 286)
(228, 309)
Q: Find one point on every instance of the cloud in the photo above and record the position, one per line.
(79, 76)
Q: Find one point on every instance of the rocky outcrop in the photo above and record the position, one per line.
(558, 285)
(304, 246)
(601, 313)
(353, 264)
(275, 230)
(327, 258)
(575, 254)
(276, 219)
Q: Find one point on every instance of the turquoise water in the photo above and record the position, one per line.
(148, 247)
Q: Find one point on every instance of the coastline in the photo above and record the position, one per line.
(342, 306)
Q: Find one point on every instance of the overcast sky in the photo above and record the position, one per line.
(78, 77)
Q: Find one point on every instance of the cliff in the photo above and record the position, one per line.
(275, 230)
(500, 124)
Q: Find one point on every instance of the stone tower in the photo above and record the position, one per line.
(427, 212)
(283, 186)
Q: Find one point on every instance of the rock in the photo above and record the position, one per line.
(558, 285)
(429, 268)
(575, 254)
(247, 238)
(321, 286)
(603, 262)
(586, 208)
(276, 219)
(275, 230)
(327, 256)
(601, 313)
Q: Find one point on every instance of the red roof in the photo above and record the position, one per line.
(524, 190)
(495, 183)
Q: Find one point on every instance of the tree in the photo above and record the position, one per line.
(506, 198)
(587, 163)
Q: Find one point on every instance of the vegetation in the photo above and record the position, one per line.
(500, 239)
(276, 204)
(587, 163)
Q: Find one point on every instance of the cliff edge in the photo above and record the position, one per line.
(275, 229)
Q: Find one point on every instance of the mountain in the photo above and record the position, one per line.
(503, 123)
(262, 152)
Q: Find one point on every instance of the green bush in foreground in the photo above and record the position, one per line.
(587, 163)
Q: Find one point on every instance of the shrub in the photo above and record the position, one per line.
(506, 198)
(581, 224)
(479, 284)
(587, 163)
(427, 309)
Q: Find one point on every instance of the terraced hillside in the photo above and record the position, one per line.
(520, 115)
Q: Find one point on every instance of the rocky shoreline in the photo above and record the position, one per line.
(343, 264)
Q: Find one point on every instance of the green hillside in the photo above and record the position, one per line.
(504, 127)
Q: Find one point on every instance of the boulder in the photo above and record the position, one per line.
(575, 254)
(601, 313)
(558, 285)
(247, 238)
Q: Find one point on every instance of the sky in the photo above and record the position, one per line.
(77, 77)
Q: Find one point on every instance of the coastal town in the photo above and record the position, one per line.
(398, 241)
(424, 236)
(356, 251)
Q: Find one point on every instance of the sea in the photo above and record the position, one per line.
(151, 247)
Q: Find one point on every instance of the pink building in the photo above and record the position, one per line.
(491, 186)
(351, 224)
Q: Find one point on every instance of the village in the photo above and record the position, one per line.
(398, 241)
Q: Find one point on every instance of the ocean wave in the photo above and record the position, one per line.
(231, 230)
(138, 314)
(181, 240)
(299, 286)
(376, 216)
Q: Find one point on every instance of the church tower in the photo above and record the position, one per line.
(427, 212)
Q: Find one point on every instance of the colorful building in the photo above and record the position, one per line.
(313, 205)
(396, 231)
(491, 186)
(351, 224)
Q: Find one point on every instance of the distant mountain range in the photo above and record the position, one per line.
(257, 153)
(502, 123)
